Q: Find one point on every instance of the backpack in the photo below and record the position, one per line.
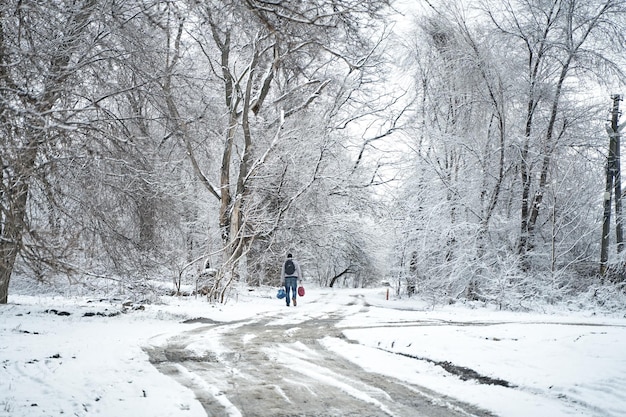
(290, 268)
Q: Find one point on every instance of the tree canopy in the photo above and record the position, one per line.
(460, 153)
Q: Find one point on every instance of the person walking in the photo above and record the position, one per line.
(290, 275)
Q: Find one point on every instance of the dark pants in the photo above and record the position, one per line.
(291, 283)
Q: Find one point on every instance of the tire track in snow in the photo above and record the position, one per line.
(273, 366)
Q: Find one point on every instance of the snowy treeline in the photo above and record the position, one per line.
(504, 196)
(203, 140)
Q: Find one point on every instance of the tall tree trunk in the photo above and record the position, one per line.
(572, 49)
(13, 230)
(225, 193)
(15, 195)
(535, 61)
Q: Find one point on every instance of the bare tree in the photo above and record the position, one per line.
(42, 47)
(270, 60)
(561, 40)
(477, 154)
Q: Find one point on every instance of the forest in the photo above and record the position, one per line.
(455, 149)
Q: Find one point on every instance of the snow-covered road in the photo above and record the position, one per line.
(353, 353)
(270, 366)
(341, 352)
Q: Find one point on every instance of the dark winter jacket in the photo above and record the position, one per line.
(296, 274)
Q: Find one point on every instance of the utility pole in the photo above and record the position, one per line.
(616, 129)
(613, 181)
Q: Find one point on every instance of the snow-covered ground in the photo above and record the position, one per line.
(79, 357)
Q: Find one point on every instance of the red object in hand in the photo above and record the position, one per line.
(301, 291)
